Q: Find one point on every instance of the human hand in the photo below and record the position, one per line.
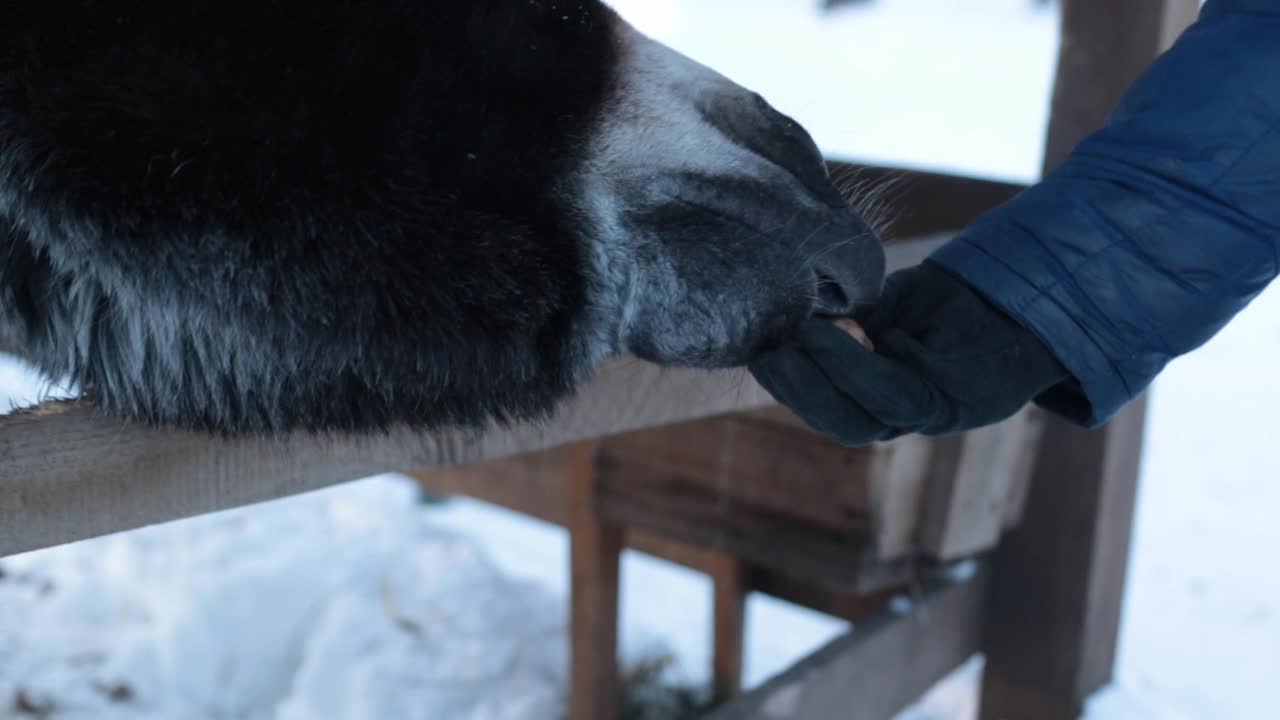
(945, 360)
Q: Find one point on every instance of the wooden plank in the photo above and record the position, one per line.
(971, 484)
(1100, 55)
(759, 467)
(737, 459)
(1178, 16)
(729, 619)
(536, 487)
(595, 550)
(1060, 576)
(769, 540)
(777, 496)
(693, 557)
(531, 483)
(817, 594)
(67, 473)
(780, 415)
(1022, 468)
(1056, 600)
(896, 489)
(900, 470)
(880, 667)
(639, 497)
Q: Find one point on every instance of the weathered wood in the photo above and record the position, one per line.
(757, 464)
(879, 668)
(948, 497)
(756, 483)
(530, 483)
(67, 473)
(817, 594)
(763, 486)
(534, 484)
(779, 497)
(728, 618)
(1059, 577)
(633, 496)
(1178, 16)
(595, 549)
(1055, 606)
(972, 485)
(1022, 469)
(897, 491)
(1104, 47)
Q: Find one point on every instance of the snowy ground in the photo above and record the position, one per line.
(358, 602)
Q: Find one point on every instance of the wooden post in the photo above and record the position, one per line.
(729, 608)
(1054, 611)
(881, 666)
(595, 551)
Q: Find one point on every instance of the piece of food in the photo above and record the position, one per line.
(855, 331)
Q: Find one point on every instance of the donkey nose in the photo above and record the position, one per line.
(786, 143)
(751, 122)
(848, 275)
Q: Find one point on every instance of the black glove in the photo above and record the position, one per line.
(944, 361)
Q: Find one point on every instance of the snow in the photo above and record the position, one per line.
(347, 603)
(936, 84)
(361, 602)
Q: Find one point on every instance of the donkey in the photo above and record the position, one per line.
(260, 216)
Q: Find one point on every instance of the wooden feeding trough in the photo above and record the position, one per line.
(703, 469)
(761, 503)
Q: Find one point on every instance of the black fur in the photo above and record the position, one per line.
(267, 216)
(280, 214)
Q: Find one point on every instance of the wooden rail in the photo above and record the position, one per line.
(68, 473)
(880, 667)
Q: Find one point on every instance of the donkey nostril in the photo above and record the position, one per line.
(831, 298)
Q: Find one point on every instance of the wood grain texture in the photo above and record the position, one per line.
(729, 578)
(738, 460)
(897, 489)
(881, 666)
(531, 483)
(68, 473)
(975, 479)
(776, 496)
(535, 484)
(595, 550)
(1059, 577)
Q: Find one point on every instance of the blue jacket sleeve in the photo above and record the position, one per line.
(1159, 227)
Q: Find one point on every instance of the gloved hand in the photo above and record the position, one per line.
(944, 361)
